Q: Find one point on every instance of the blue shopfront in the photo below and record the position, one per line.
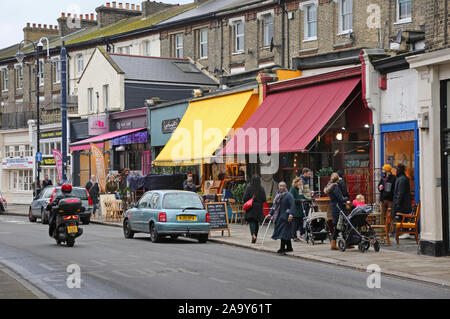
(400, 144)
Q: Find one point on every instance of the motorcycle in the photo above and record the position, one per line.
(67, 214)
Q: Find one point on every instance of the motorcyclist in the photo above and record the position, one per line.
(66, 192)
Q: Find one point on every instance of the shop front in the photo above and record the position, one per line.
(319, 122)
(206, 124)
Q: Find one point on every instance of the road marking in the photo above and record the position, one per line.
(259, 292)
(219, 280)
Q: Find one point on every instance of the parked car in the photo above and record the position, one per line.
(165, 213)
(39, 204)
(3, 203)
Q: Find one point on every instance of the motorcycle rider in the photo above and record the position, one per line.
(66, 192)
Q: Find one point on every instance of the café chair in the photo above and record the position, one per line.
(385, 227)
(404, 227)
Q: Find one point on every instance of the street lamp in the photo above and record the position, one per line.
(20, 56)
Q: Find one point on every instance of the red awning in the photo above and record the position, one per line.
(298, 114)
(104, 137)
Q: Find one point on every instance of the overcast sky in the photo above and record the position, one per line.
(15, 14)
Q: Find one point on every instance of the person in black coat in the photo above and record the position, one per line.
(337, 201)
(402, 193)
(282, 212)
(94, 192)
(386, 187)
(46, 182)
(255, 214)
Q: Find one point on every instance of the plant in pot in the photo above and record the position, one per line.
(324, 177)
(238, 193)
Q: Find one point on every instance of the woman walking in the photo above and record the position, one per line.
(336, 199)
(282, 212)
(299, 213)
(255, 214)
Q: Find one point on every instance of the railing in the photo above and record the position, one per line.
(15, 120)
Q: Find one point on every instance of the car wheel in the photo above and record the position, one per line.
(203, 238)
(44, 219)
(127, 232)
(31, 217)
(155, 238)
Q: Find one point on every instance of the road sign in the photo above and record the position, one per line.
(39, 157)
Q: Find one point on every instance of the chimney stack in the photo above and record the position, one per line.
(107, 15)
(35, 33)
(151, 7)
(69, 23)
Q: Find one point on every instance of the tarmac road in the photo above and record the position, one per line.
(114, 267)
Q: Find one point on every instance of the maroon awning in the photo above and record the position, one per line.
(298, 114)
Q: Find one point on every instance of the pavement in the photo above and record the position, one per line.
(400, 261)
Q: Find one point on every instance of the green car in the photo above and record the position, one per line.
(165, 213)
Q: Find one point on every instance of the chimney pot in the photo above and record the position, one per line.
(108, 4)
(51, 27)
(69, 14)
(28, 25)
(92, 16)
(63, 14)
(56, 27)
(45, 26)
(87, 16)
(39, 26)
(133, 6)
(120, 5)
(138, 8)
(114, 4)
(127, 6)
(34, 25)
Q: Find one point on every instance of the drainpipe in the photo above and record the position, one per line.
(372, 100)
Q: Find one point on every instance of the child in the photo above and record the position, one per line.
(359, 201)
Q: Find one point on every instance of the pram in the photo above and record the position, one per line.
(316, 227)
(350, 235)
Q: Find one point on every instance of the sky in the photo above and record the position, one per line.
(14, 15)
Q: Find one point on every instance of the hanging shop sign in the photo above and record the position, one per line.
(98, 125)
(169, 126)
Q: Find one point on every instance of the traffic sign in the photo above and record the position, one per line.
(39, 157)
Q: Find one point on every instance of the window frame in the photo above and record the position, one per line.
(398, 19)
(179, 48)
(202, 43)
(147, 48)
(19, 76)
(342, 17)
(5, 79)
(56, 66)
(80, 62)
(91, 100)
(264, 31)
(238, 36)
(106, 96)
(307, 22)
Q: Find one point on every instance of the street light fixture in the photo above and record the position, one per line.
(20, 56)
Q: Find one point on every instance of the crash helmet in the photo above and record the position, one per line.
(66, 188)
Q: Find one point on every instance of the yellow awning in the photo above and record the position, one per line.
(204, 127)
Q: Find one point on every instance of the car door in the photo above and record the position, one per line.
(40, 202)
(138, 213)
(151, 213)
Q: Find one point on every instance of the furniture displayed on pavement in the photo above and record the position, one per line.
(408, 227)
(236, 211)
(384, 234)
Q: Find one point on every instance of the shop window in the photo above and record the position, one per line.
(21, 180)
(399, 149)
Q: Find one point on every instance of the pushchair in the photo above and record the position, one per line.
(349, 226)
(316, 227)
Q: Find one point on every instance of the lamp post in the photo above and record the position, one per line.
(64, 112)
(20, 56)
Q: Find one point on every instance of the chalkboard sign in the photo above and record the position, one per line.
(218, 217)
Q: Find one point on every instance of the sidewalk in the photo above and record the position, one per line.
(397, 260)
(14, 287)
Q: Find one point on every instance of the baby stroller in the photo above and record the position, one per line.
(349, 226)
(316, 227)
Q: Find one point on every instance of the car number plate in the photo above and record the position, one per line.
(187, 218)
(72, 229)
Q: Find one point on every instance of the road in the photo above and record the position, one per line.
(114, 267)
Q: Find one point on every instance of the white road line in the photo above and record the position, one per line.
(219, 280)
(259, 292)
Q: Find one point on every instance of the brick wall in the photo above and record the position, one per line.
(437, 16)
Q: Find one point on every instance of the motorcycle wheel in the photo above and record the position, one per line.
(70, 242)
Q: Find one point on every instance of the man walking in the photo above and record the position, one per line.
(47, 182)
(94, 192)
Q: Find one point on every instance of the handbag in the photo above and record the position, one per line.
(249, 204)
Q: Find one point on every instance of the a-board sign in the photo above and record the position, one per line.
(218, 217)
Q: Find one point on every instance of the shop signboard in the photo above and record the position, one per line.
(218, 217)
(169, 126)
(98, 125)
(18, 163)
(50, 134)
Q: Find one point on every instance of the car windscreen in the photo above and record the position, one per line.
(182, 201)
(77, 193)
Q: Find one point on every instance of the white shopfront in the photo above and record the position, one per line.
(17, 167)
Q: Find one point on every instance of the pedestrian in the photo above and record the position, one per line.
(402, 196)
(342, 184)
(386, 187)
(306, 189)
(46, 182)
(94, 192)
(299, 213)
(256, 213)
(282, 212)
(190, 186)
(337, 201)
(112, 187)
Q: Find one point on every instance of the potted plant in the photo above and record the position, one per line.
(238, 193)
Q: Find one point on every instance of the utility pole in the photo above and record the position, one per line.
(64, 112)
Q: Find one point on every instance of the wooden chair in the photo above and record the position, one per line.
(404, 227)
(385, 227)
(117, 210)
(236, 211)
(109, 209)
